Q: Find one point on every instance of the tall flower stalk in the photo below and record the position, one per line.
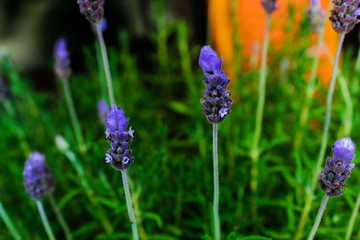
(344, 18)
(269, 7)
(93, 10)
(317, 23)
(216, 101)
(336, 172)
(39, 181)
(63, 71)
(8, 223)
(60, 217)
(119, 156)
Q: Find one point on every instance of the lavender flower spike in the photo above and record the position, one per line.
(92, 9)
(338, 169)
(345, 15)
(120, 153)
(217, 99)
(316, 16)
(269, 6)
(62, 60)
(38, 179)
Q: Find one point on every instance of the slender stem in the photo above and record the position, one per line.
(60, 217)
(45, 220)
(348, 105)
(317, 170)
(259, 119)
(8, 223)
(129, 206)
(304, 114)
(352, 219)
(106, 62)
(318, 217)
(73, 117)
(216, 183)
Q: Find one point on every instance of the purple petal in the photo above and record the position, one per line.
(116, 120)
(209, 61)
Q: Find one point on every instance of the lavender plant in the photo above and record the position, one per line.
(269, 7)
(63, 71)
(38, 182)
(216, 102)
(343, 18)
(93, 10)
(119, 156)
(332, 178)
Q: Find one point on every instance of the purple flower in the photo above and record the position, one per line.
(92, 9)
(338, 169)
(316, 16)
(120, 153)
(102, 110)
(62, 60)
(217, 99)
(344, 16)
(269, 5)
(38, 179)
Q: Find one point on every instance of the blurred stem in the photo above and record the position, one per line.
(8, 223)
(348, 106)
(352, 219)
(318, 217)
(304, 115)
(60, 217)
(101, 71)
(129, 206)
(106, 62)
(73, 117)
(317, 170)
(89, 192)
(45, 220)
(259, 118)
(19, 131)
(216, 183)
(355, 85)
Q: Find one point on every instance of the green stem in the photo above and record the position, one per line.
(259, 118)
(9, 224)
(45, 220)
(60, 217)
(216, 183)
(353, 217)
(318, 217)
(73, 117)
(348, 106)
(317, 170)
(129, 206)
(304, 114)
(106, 62)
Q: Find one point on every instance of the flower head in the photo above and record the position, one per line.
(38, 179)
(269, 5)
(344, 17)
(217, 99)
(62, 60)
(92, 9)
(338, 169)
(120, 153)
(316, 16)
(102, 110)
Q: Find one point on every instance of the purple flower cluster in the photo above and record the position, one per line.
(92, 9)
(344, 16)
(38, 179)
(120, 153)
(62, 60)
(102, 110)
(269, 6)
(217, 99)
(338, 169)
(316, 16)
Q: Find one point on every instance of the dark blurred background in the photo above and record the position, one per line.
(29, 29)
